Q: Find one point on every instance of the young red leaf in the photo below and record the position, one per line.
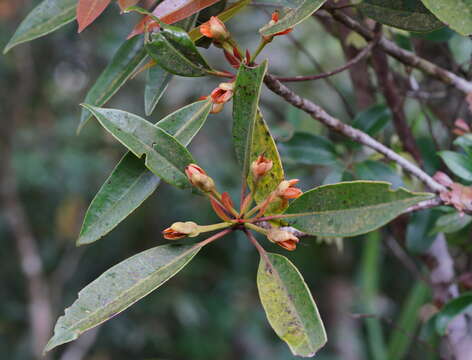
(126, 3)
(171, 11)
(88, 11)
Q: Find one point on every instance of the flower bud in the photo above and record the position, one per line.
(198, 178)
(215, 29)
(287, 190)
(223, 93)
(261, 167)
(180, 230)
(283, 238)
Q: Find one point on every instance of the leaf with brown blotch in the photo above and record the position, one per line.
(171, 11)
(88, 11)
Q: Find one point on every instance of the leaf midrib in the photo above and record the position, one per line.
(368, 207)
(290, 301)
(137, 284)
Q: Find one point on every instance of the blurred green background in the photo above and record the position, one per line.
(211, 309)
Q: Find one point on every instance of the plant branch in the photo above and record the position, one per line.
(317, 113)
(395, 102)
(404, 56)
(360, 56)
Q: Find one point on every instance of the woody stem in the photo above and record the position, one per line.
(213, 238)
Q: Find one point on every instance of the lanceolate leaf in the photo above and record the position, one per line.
(171, 11)
(350, 208)
(263, 143)
(293, 16)
(88, 11)
(158, 79)
(164, 155)
(195, 34)
(457, 14)
(247, 91)
(126, 60)
(118, 288)
(131, 182)
(156, 84)
(452, 309)
(289, 306)
(48, 16)
(459, 164)
(407, 15)
(174, 51)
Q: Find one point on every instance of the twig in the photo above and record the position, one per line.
(317, 113)
(320, 68)
(361, 55)
(404, 56)
(395, 103)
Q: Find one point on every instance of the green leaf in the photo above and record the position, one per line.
(164, 155)
(418, 236)
(308, 149)
(174, 51)
(131, 182)
(263, 143)
(292, 16)
(126, 60)
(349, 208)
(376, 170)
(289, 306)
(156, 84)
(371, 269)
(45, 18)
(451, 223)
(408, 15)
(465, 142)
(459, 164)
(408, 321)
(452, 309)
(457, 14)
(247, 91)
(118, 288)
(372, 120)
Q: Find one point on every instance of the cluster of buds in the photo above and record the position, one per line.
(274, 20)
(261, 167)
(283, 238)
(180, 230)
(199, 178)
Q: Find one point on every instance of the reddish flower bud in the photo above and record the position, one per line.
(198, 178)
(283, 238)
(461, 127)
(217, 108)
(223, 93)
(232, 60)
(287, 190)
(215, 29)
(181, 230)
(261, 166)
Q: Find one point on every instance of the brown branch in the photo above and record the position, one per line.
(317, 113)
(442, 273)
(404, 56)
(395, 103)
(327, 80)
(360, 56)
